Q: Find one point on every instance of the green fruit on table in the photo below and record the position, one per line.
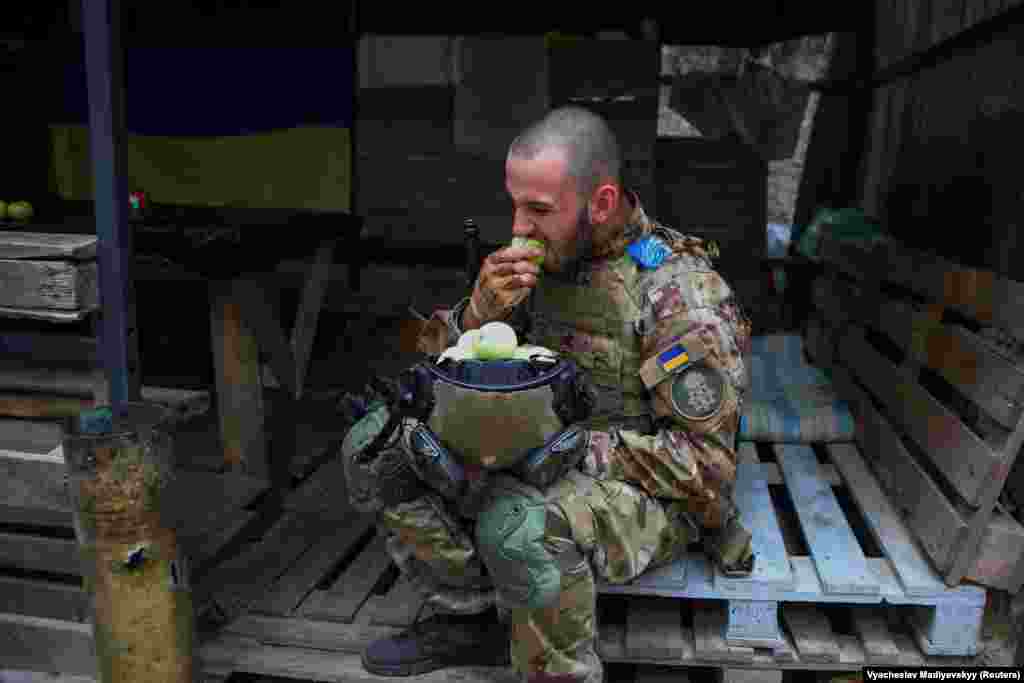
(19, 211)
(526, 243)
(3, 210)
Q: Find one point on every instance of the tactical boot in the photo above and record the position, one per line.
(441, 641)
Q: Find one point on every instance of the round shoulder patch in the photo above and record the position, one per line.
(698, 392)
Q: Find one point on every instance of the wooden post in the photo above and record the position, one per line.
(239, 391)
(119, 466)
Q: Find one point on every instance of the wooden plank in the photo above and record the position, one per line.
(318, 635)
(218, 655)
(811, 633)
(910, 653)
(44, 599)
(34, 482)
(50, 347)
(200, 502)
(729, 675)
(185, 404)
(14, 514)
(325, 493)
(851, 652)
(44, 245)
(301, 663)
(879, 647)
(292, 588)
(62, 381)
(30, 437)
(243, 579)
(757, 513)
(386, 121)
(398, 608)
(963, 457)
(203, 548)
(350, 591)
(34, 644)
(42, 407)
(837, 555)
(491, 100)
(872, 188)
(49, 285)
(709, 620)
(239, 395)
(39, 553)
(1001, 555)
(974, 367)
(936, 523)
(915, 573)
(304, 330)
(769, 473)
(259, 309)
(50, 316)
(654, 630)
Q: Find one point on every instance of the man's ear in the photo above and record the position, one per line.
(605, 203)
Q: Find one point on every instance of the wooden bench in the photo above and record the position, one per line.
(907, 338)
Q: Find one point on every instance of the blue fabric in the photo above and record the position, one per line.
(206, 91)
(790, 401)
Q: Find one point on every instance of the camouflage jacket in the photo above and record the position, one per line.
(665, 347)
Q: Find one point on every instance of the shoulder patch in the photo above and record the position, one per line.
(698, 392)
(672, 359)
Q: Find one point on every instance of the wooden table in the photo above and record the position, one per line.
(235, 252)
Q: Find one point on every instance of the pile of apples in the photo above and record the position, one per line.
(17, 211)
(493, 341)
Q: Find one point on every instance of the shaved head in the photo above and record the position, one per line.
(590, 148)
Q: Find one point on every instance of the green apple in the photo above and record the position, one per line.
(492, 351)
(497, 342)
(3, 210)
(469, 340)
(527, 243)
(19, 211)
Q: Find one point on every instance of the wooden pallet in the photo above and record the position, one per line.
(318, 589)
(939, 405)
(834, 569)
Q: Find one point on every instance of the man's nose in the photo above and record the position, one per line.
(520, 226)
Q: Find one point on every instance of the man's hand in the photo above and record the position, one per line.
(505, 279)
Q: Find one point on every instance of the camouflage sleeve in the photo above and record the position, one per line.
(693, 368)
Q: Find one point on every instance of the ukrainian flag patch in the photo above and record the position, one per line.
(673, 357)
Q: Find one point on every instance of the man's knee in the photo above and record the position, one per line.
(525, 560)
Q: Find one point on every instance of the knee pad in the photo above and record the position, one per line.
(510, 538)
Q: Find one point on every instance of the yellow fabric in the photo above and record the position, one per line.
(296, 168)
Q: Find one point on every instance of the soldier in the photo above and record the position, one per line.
(640, 308)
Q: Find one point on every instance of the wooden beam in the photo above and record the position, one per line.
(304, 330)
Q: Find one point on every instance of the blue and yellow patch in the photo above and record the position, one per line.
(673, 357)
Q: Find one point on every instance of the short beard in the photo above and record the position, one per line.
(573, 263)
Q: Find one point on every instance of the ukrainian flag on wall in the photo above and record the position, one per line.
(255, 127)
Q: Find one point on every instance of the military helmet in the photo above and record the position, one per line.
(492, 413)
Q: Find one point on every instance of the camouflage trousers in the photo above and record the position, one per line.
(619, 529)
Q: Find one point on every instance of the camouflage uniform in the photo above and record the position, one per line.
(650, 477)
